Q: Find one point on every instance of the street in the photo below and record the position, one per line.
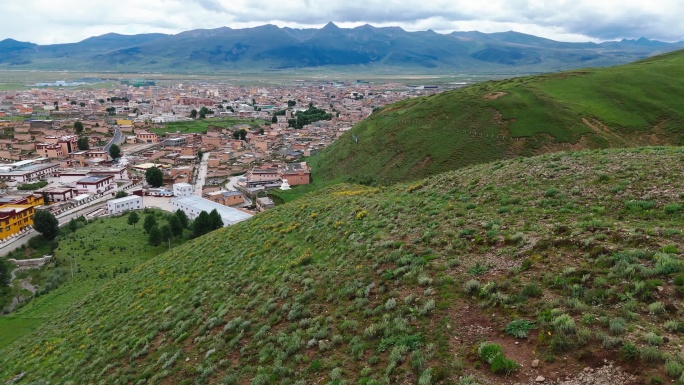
(201, 175)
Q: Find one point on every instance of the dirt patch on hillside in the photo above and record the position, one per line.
(495, 95)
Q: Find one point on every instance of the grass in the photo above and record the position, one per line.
(315, 289)
(101, 251)
(201, 125)
(624, 106)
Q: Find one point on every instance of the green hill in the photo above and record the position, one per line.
(627, 106)
(579, 251)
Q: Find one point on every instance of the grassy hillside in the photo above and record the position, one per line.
(632, 105)
(101, 250)
(577, 254)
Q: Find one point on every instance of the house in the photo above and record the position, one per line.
(264, 203)
(58, 194)
(227, 198)
(182, 189)
(193, 205)
(146, 137)
(95, 184)
(117, 206)
(27, 170)
(16, 213)
(296, 173)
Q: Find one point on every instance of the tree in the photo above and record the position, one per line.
(5, 272)
(201, 225)
(183, 218)
(45, 223)
(202, 114)
(115, 151)
(215, 220)
(291, 103)
(149, 223)
(83, 143)
(193, 113)
(133, 218)
(120, 194)
(176, 225)
(155, 236)
(82, 104)
(274, 119)
(167, 234)
(78, 126)
(261, 131)
(154, 177)
(73, 225)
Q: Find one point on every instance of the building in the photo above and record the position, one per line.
(182, 189)
(193, 205)
(227, 198)
(296, 173)
(117, 206)
(49, 150)
(146, 137)
(16, 214)
(95, 184)
(58, 194)
(175, 142)
(27, 170)
(264, 203)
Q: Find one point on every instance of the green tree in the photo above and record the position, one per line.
(156, 236)
(291, 103)
(78, 126)
(274, 119)
(133, 218)
(183, 218)
(167, 234)
(154, 177)
(150, 222)
(73, 225)
(115, 151)
(176, 225)
(83, 143)
(261, 131)
(215, 220)
(5, 272)
(193, 113)
(45, 223)
(120, 194)
(201, 225)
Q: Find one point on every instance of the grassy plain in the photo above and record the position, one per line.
(576, 256)
(201, 125)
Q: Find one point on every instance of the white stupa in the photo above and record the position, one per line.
(285, 186)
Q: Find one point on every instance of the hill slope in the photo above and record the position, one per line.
(631, 105)
(272, 48)
(402, 284)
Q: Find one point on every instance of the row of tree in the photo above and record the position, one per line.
(176, 224)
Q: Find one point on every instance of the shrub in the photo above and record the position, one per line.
(503, 365)
(674, 326)
(651, 354)
(467, 380)
(656, 308)
(564, 324)
(629, 351)
(673, 368)
(488, 352)
(653, 339)
(519, 328)
(425, 377)
(472, 286)
(617, 325)
(531, 290)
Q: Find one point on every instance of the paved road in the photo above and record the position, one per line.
(116, 139)
(201, 175)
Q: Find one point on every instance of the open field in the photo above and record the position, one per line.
(200, 125)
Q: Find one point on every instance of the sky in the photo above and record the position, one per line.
(68, 21)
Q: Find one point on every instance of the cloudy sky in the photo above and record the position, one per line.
(65, 21)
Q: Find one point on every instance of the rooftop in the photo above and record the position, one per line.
(228, 214)
(94, 179)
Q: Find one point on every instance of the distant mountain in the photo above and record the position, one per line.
(269, 47)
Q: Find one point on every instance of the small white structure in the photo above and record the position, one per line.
(182, 190)
(132, 202)
(193, 205)
(285, 186)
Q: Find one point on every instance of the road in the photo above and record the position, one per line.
(201, 174)
(230, 186)
(116, 139)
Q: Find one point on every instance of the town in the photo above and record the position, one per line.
(69, 149)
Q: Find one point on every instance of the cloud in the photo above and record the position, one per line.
(52, 21)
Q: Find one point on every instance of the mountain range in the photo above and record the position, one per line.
(270, 47)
